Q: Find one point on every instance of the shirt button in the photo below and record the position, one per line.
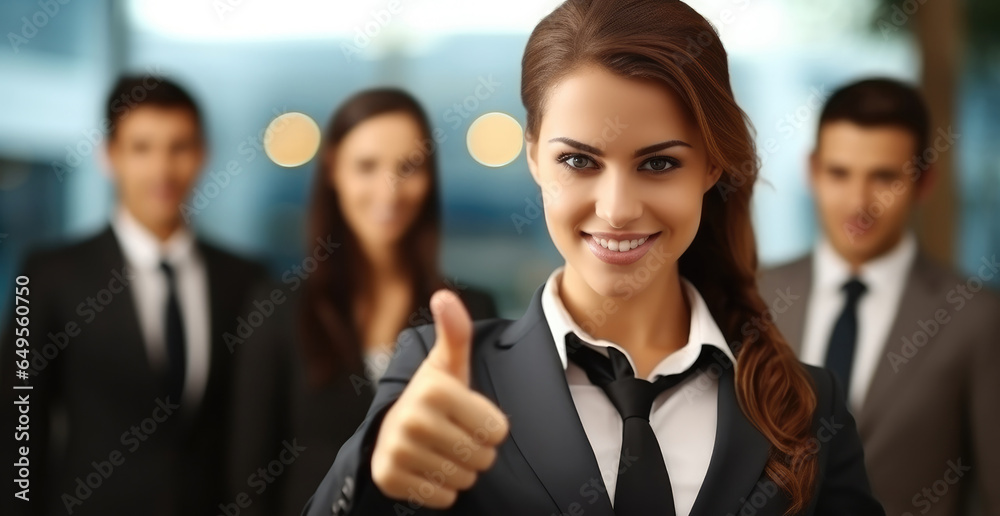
(339, 507)
(348, 489)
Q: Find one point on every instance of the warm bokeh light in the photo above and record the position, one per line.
(291, 139)
(495, 139)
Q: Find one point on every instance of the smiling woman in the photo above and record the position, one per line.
(629, 386)
(374, 226)
(649, 180)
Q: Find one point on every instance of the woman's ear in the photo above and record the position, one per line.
(531, 152)
(714, 174)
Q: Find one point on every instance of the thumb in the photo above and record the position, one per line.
(453, 327)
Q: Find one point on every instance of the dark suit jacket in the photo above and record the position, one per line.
(546, 465)
(275, 409)
(97, 397)
(930, 419)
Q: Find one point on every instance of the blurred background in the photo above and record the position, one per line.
(247, 61)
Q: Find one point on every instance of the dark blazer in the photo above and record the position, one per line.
(546, 465)
(97, 396)
(930, 418)
(275, 410)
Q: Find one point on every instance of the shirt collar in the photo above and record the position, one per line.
(703, 330)
(143, 249)
(888, 270)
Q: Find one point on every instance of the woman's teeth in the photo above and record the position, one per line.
(620, 246)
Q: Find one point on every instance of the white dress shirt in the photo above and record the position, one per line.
(143, 252)
(684, 417)
(885, 278)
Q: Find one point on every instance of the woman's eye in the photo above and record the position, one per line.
(576, 161)
(658, 164)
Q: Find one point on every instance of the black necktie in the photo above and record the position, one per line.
(174, 380)
(643, 486)
(840, 352)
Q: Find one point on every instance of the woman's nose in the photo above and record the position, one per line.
(617, 200)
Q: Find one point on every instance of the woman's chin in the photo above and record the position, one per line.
(607, 281)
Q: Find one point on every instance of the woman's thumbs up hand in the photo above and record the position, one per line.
(440, 434)
(453, 349)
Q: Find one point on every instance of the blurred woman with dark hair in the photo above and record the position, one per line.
(375, 198)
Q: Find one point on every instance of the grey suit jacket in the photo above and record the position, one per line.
(546, 465)
(930, 422)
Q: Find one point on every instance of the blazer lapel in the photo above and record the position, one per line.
(221, 311)
(530, 384)
(128, 336)
(921, 296)
(738, 458)
(799, 283)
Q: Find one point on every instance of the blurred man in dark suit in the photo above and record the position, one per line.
(915, 344)
(130, 377)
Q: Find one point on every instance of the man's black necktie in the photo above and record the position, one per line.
(175, 340)
(643, 486)
(840, 352)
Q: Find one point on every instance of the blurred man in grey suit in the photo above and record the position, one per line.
(916, 345)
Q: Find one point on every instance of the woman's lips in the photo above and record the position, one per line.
(619, 257)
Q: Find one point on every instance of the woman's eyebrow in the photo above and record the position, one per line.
(660, 146)
(579, 145)
(641, 152)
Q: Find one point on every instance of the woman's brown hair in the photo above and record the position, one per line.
(330, 341)
(669, 42)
